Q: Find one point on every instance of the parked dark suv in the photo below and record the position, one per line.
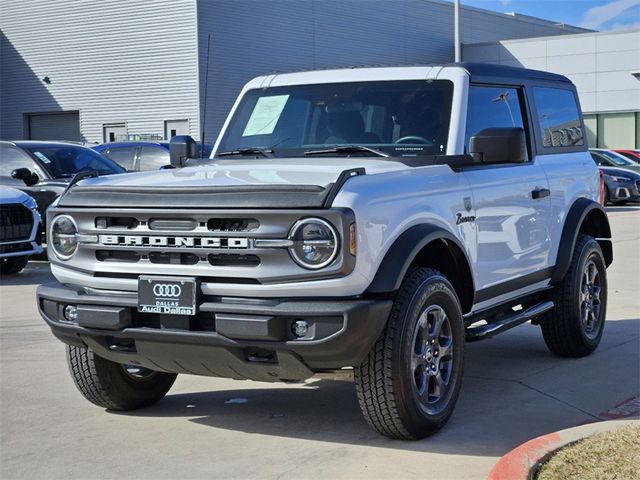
(44, 169)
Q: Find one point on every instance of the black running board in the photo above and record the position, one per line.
(490, 329)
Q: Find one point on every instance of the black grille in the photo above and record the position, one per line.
(233, 260)
(15, 247)
(16, 222)
(232, 224)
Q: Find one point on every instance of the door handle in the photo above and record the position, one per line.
(537, 193)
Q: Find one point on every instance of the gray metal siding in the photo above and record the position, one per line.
(137, 61)
(113, 61)
(254, 37)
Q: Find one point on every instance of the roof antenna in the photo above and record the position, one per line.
(204, 109)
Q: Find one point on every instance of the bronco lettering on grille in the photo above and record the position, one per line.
(154, 241)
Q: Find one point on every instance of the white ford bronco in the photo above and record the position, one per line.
(371, 220)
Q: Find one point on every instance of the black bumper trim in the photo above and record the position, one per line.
(211, 353)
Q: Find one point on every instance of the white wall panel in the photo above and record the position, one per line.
(567, 64)
(523, 49)
(615, 61)
(599, 63)
(618, 41)
(571, 46)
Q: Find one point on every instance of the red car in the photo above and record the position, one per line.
(630, 154)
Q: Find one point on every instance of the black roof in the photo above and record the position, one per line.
(483, 71)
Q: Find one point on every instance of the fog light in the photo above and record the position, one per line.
(300, 328)
(71, 313)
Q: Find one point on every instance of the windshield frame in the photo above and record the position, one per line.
(242, 111)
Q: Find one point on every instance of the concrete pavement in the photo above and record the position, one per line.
(513, 390)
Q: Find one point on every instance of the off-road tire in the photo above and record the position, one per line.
(388, 400)
(562, 328)
(11, 265)
(108, 385)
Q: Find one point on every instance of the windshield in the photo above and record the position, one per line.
(616, 158)
(66, 160)
(400, 118)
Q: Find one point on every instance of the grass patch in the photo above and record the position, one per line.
(603, 456)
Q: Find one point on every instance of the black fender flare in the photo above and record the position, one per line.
(576, 216)
(404, 250)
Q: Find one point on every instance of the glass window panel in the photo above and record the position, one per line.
(403, 118)
(616, 130)
(491, 107)
(152, 158)
(591, 126)
(12, 158)
(122, 155)
(558, 117)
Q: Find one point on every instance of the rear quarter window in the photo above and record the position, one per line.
(559, 118)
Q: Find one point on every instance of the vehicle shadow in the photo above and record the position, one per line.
(513, 390)
(35, 273)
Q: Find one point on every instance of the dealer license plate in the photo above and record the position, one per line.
(169, 295)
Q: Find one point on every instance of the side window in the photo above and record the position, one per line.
(600, 160)
(122, 155)
(152, 158)
(492, 107)
(558, 117)
(12, 158)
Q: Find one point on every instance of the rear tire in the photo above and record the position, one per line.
(574, 327)
(408, 385)
(111, 385)
(11, 265)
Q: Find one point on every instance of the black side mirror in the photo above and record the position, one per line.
(181, 148)
(499, 145)
(27, 176)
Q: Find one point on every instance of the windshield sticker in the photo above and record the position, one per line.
(42, 157)
(265, 115)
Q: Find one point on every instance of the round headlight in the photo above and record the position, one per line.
(62, 236)
(315, 243)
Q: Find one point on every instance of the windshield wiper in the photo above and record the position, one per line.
(265, 152)
(347, 149)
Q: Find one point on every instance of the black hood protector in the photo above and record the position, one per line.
(244, 196)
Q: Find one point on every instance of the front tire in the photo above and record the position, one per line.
(574, 327)
(409, 384)
(11, 265)
(114, 386)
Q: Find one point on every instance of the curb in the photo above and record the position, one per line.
(519, 462)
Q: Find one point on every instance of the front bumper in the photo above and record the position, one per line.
(625, 191)
(20, 249)
(230, 337)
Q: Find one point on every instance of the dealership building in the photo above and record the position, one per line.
(99, 71)
(605, 67)
(96, 71)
